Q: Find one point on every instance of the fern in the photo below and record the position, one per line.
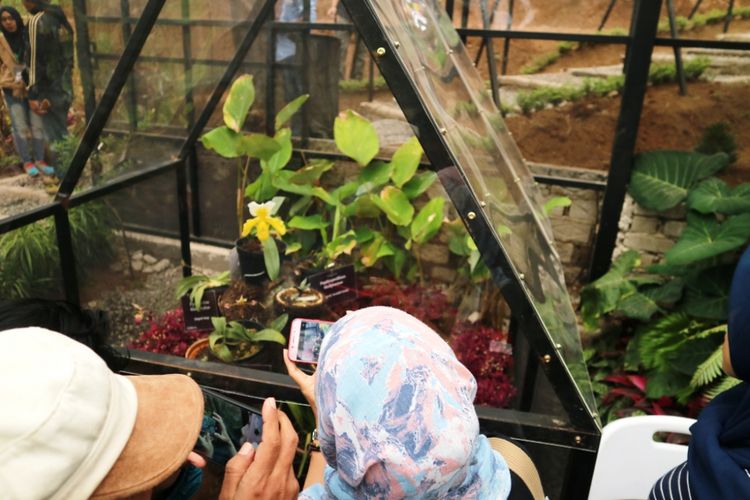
(725, 384)
(709, 370)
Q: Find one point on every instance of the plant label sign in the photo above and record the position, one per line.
(200, 319)
(339, 284)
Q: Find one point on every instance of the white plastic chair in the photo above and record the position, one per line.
(629, 460)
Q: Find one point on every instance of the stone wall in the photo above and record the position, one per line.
(650, 233)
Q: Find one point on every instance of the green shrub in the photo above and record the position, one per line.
(29, 259)
(718, 138)
(361, 85)
(64, 151)
(9, 161)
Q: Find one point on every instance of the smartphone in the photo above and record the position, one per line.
(227, 425)
(305, 337)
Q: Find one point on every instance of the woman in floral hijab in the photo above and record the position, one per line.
(395, 414)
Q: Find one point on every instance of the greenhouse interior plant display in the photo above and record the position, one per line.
(558, 189)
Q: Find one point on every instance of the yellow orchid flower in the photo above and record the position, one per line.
(262, 221)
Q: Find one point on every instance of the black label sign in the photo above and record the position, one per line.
(200, 319)
(339, 285)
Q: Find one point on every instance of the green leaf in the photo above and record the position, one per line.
(603, 295)
(279, 160)
(394, 203)
(419, 184)
(271, 258)
(311, 173)
(364, 234)
(724, 385)
(308, 222)
(289, 110)
(375, 250)
(637, 306)
(364, 206)
(713, 195)
(225, 142)
(260, 146)
(707, 294)
(709, 370)
(356, 137)
(428, 221)
(406, 161)
(279, 322)
(268, 335)
(704, 237)
(343, 192)
(556, 202)
(373, 176)
(343, 244)
(241, 97)
(661, 179)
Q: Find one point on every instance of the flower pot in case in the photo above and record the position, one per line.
(252, 263)
(300, 303)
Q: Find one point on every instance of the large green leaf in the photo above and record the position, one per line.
(311, 173)
(241, 97)
(705, 237)
(374, 175)
(289, 110)
(713, 195)
(225, 142)
(268, 335)
(279, 160)
(260, 146)
(406, 161)
(308, 222)
(662, 179)
(375, 250)
(394, 203)
(707, 294)
(363, 206)
(356, 137)
(603, 295)
(428, 221)
(419, 184)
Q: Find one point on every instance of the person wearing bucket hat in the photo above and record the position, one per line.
(72, 429)
(718, 464)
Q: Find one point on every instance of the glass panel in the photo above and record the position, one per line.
(487, 156)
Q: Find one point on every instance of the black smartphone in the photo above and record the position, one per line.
(227, 425)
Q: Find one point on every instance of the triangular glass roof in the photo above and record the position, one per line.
(422, 58)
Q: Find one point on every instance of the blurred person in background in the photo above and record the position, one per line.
(49, 57)
(28, 136)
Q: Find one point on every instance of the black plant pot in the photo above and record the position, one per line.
(252, 264)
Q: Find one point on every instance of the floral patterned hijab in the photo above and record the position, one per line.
(396, 415)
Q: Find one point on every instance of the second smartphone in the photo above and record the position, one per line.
(305, 338)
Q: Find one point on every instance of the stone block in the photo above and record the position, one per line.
(137, 255)
(444, 274)
(673, 228)
(137, 265)
(571, 230)
(641, 224)
(567, 252)
(584, 210)
(434, 254)
(654, 243)
(150, 259)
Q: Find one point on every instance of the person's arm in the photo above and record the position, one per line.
(315, 470)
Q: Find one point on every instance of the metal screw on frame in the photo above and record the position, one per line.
(578, 439)
(471, 215)
(396, 44)
(380, 51)
(547, 358)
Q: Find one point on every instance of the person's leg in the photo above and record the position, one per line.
(55, 124)
(19, 112)
(38, 141)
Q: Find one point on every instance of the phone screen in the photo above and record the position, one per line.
(310, 338)
(227, 425)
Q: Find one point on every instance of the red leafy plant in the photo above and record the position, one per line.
(627, 396)
(165, 334)
(488, 356)
(428, 304)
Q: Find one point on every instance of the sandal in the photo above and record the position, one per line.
(31, 169)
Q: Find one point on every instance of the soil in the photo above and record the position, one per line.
(581, 133)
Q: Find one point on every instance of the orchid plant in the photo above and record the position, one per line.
(265, 226)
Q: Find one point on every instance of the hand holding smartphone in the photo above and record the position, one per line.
(305, 338)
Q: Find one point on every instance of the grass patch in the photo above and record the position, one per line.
(540, 63)
(9, 161)
(699, 20)
(659, 73)
(361, 85)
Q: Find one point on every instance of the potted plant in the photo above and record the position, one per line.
(198, 284)
(234, 341)
(300, 301)
(257, 249)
